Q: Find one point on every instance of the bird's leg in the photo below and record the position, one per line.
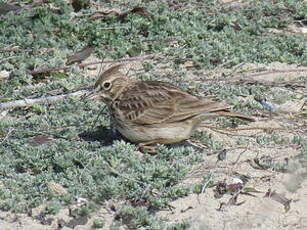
(148, 146)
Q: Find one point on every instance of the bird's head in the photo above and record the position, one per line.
(110, 84)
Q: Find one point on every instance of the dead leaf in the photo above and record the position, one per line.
(280, 198)
(223, 188)
(137, 10)
(104, 12)
(121, 15)
(79, 4)
(80, 55)
(40, 140)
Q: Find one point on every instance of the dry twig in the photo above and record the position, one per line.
(56, 69)
(248, 77)
(28, 102)
(15, 50)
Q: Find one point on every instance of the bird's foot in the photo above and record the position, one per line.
(147, 147)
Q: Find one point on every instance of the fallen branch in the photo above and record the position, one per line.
(277, 71)
(169, 39)
(56, 69)
(15, 50)
(293, 84)
(28, 102)
(246, 77)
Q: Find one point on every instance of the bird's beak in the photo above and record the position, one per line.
(89, 95)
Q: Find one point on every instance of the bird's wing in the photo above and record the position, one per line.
(154, 102)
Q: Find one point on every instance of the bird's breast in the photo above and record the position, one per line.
(166, 133)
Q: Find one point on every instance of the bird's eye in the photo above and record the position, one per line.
(107, 85)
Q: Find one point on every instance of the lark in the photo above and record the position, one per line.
(150, 112)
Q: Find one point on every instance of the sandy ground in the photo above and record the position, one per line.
(258, 212)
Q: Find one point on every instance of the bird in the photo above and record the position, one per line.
(154, 112)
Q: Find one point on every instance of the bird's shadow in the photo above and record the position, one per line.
(185, 144)
(105, 136)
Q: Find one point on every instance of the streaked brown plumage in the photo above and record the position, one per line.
(153, 111)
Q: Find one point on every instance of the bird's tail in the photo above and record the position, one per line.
(237, 115)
